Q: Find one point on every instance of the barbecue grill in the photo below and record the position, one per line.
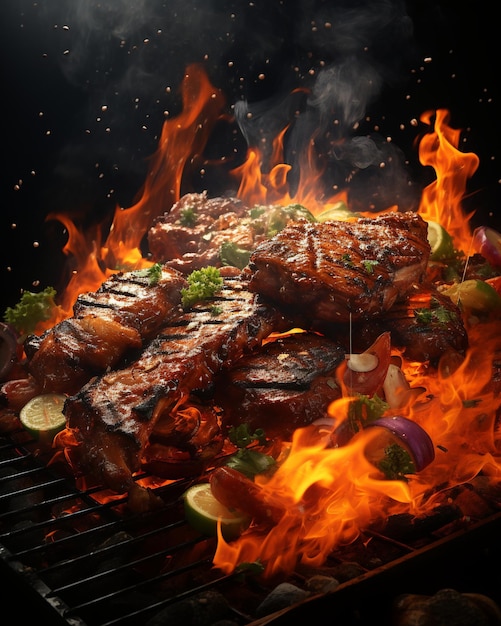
(78, 555)
(81, 558)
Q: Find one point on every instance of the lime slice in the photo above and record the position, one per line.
(43, 415)
(475, 295)
(441, 243)
(202, 512)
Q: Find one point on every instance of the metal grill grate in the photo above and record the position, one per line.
(95, 563)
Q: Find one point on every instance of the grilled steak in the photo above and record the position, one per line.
(425, 326)
(113, 416)
(199, 231)
(191, 234)
(337, 271)
(120, 316)
(285, 384)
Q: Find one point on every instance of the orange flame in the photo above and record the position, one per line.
(330, 494)
(348, 493)
(181, 140)
(441, 199)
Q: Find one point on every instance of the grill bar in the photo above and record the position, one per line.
(94, 563)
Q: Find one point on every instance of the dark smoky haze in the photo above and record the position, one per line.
(87, 86)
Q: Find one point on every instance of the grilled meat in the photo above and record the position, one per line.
(425, 326)
(191, 234)
(285, 384)
(337, 271)
(199, 231)
(120, 316)
(113, 416)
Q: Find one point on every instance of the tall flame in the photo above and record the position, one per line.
(182, 139)
(441, 200)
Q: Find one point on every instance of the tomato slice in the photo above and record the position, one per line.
(495, 283)
(367, 383)
(236, 491)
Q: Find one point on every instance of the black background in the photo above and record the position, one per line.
(62, 60)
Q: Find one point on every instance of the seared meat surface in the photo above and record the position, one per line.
(191, 234)
(337, 271)
(113, 416)
(126, 310)
(286, 384)
(200, 231)
(425, 326)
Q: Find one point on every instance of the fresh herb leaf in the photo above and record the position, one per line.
(396, 463)
(152, 273)
(188, 217)
(346, 259)
(369, 266)
(31, 309)
(439, 315)
(202, 284)
(241, 437)
(251, 462)
(363, 410)
(231, 254)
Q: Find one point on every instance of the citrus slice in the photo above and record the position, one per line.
(441, 243)
(202, 512)
(43, 415)
(475, 295)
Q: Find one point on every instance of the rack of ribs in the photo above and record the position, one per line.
(113, 416)
(341, 271)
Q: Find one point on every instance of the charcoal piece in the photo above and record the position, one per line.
(281, 597)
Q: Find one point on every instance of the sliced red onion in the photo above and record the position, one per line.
(487, 242)
(8, 350)
(414, 438)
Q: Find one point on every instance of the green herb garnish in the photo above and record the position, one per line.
(153, 273)
(245, 460)
(188, 217)
(438, 315)
(346, 259)
(231, 254)
(31, 309)
(369, 266)
(396, 463)
(202, 284)
(241, 437)
(363, 410)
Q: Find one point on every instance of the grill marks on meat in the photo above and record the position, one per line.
(119, 317)
(286, 384)
(113, 416)
(335, 271)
